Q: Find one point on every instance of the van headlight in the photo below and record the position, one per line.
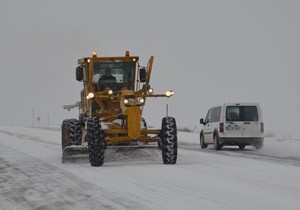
(125, 101)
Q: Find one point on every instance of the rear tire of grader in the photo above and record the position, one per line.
(169, 140)
(96, 142)
(71, 133)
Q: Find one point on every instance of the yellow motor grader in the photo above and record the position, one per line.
(114, 93)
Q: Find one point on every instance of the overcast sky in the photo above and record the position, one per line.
(208, 52)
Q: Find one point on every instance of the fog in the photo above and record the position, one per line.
(208, 52)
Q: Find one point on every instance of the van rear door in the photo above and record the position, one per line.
(252, 124)
(233, 126)
(242, 121)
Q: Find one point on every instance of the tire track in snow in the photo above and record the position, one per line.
(27, 137)
(29, 182)
(246, 153)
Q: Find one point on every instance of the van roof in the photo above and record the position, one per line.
(236, 104)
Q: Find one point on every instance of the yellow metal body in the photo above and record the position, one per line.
(134, 122)
(121, 122)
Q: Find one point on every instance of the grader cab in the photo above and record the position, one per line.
(114, 93)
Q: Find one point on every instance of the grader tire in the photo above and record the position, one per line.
(71, 133)
(169, 140)
(96, 142)
(65, 136)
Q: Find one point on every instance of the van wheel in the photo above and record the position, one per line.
(202, 144)
(217, 144)
(242, 146)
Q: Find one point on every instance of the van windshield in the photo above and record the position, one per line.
(241, 113)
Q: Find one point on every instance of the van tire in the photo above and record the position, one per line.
(217, 144)
(242, 146)
(202, 144)
(259, 145)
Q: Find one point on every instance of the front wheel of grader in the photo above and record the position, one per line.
(96, 142)
(169, 140)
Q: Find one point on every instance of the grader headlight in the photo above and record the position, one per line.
(125, 101)
(110, 92)
(141, 100)
(169, 93)
(90, 96)
(150, 91)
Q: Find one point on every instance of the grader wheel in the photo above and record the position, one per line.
(169, 140)
(96, 142)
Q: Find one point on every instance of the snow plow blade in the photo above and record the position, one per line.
(72, 154)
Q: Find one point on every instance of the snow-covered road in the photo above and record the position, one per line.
(33, 177)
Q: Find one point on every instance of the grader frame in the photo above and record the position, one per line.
(111, 114)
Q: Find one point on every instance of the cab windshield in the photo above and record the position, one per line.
(114, 75)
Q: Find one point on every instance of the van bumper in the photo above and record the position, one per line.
(240, 140)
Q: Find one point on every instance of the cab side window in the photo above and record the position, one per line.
(215, 114)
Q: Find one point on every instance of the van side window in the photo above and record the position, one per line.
(207, 118)
(215, 114)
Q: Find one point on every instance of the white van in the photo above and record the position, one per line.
(238, 124)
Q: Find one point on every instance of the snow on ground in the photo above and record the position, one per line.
(33, 177)
(285, 147)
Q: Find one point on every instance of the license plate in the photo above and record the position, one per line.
(233, 128)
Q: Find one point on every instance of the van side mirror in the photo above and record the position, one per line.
(79, 73)
(202, 121)
(143, 75)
